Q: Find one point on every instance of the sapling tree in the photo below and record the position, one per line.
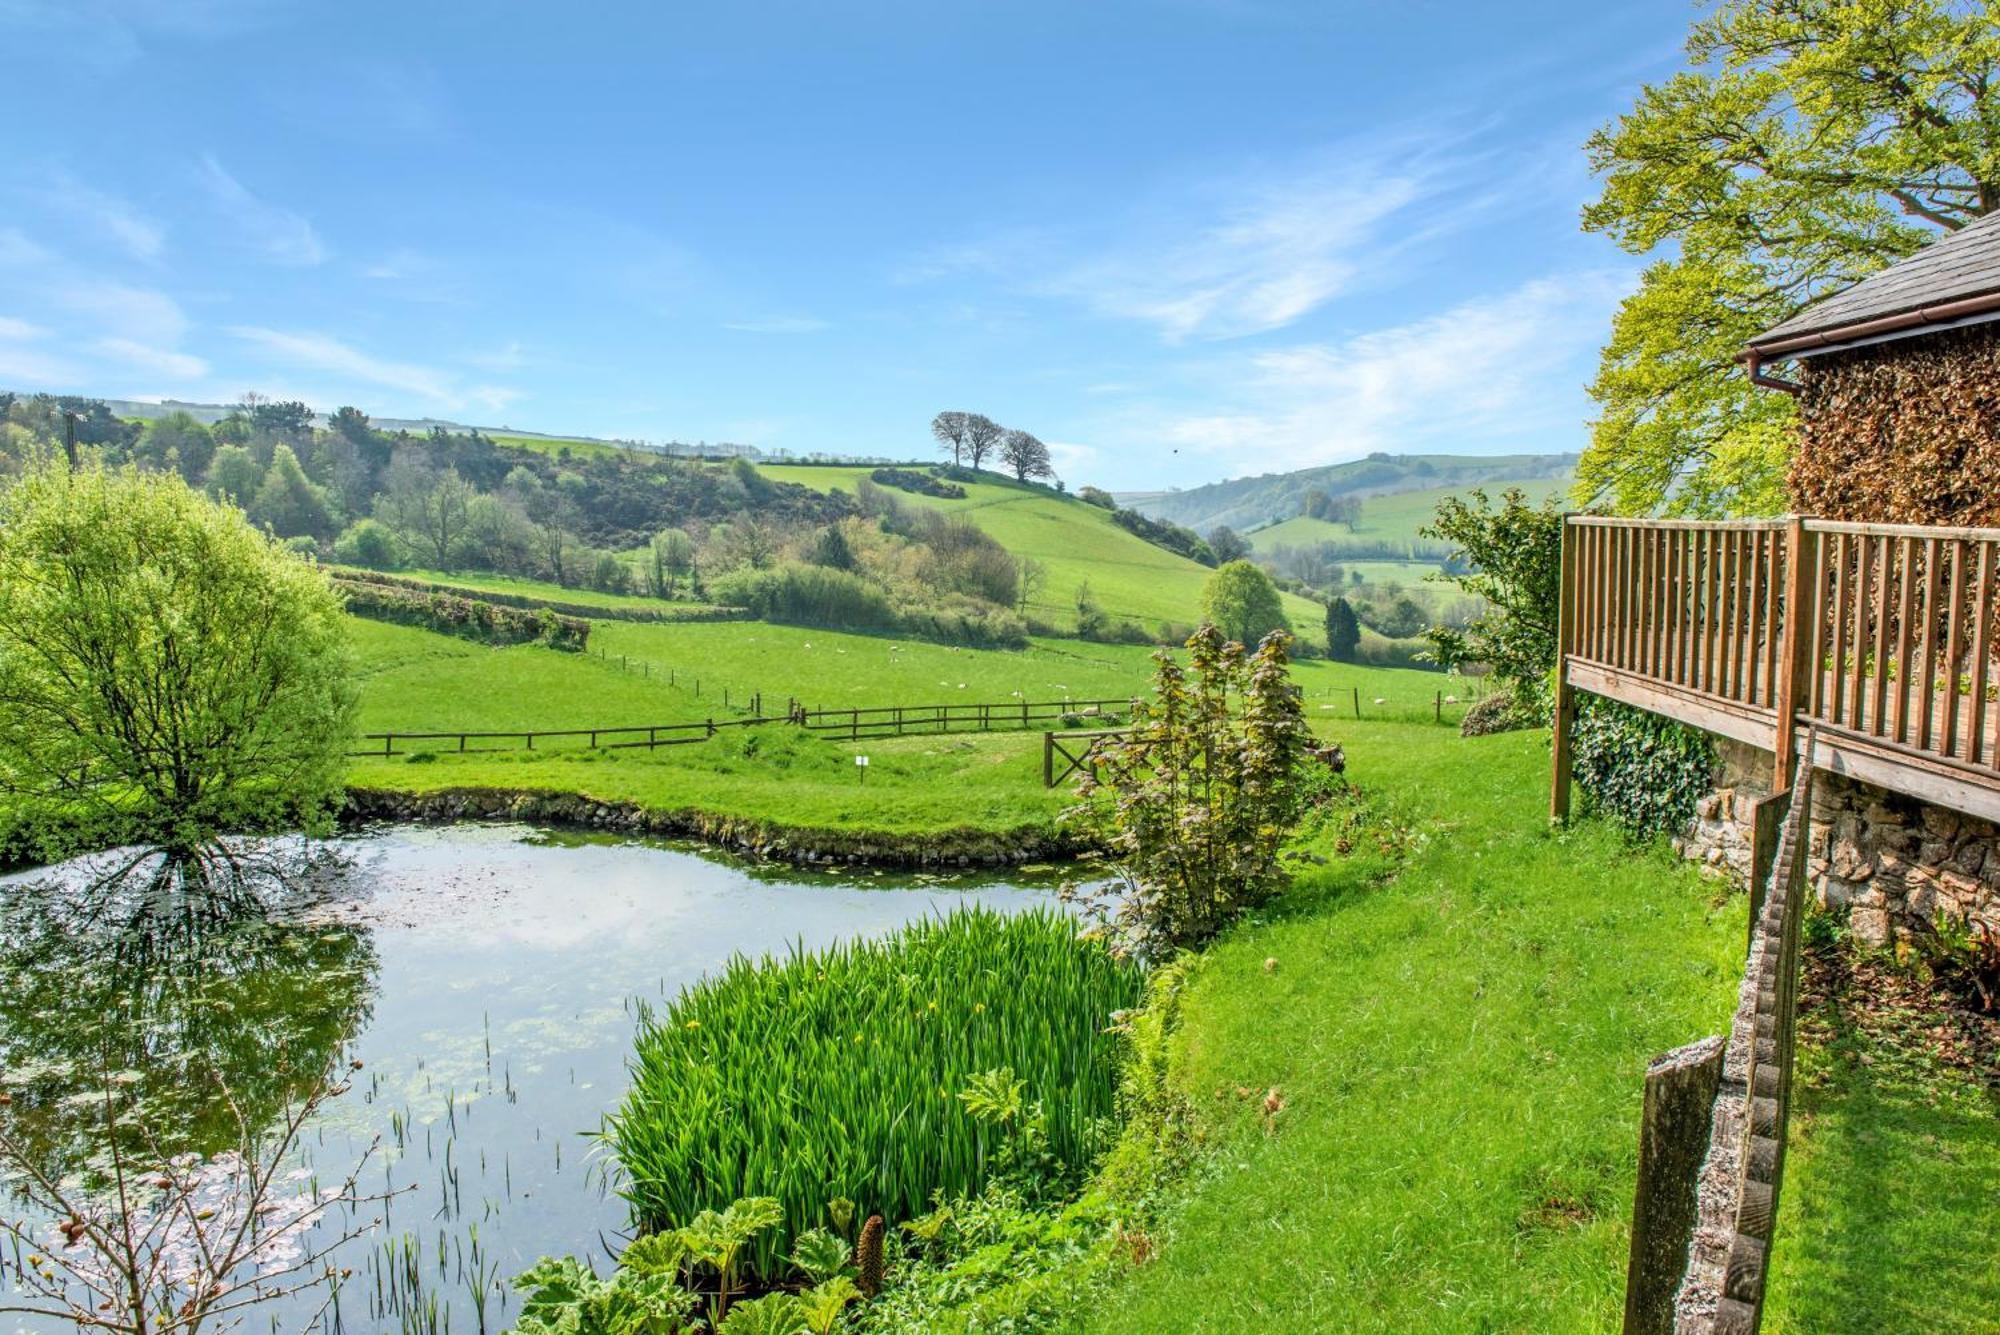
(1196, 800)
(1510, 555)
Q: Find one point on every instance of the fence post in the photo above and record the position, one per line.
(461, 743)
(711, 725)
(1437, 708)
(1797, 649)
(388, 743)
(1048, 760)
(1565, 711)
(1357, 702)
(1673, 1140)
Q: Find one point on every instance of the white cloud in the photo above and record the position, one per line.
(164, 361)
(119, 310)
(25, 368)
(326, 355)
(20, 331)
(283, 235)
(510, 357)
(778, 324)
(1071, 458)
(1493, 368)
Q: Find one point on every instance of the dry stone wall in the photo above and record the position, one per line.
(1891, 862)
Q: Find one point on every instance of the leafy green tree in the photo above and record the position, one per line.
(1240, 600)
(234, 475)
(428, 508)
(830, 549)
(180, 437)
(672, 561)
(1511, 556)
(1196, 799)
(1026, 456)
(165, 670)
(369, 543)
(287, 502)
(1343, 630)
(1810, 143)
(1227, 544)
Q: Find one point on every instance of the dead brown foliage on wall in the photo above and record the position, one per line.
(1903, 432)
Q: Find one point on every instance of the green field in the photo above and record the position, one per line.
(584, 449)
(1394, 519)
(1129, 577)
(477, 581)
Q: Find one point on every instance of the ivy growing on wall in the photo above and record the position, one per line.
(1643, 771)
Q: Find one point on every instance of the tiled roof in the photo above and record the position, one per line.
(1957, 265)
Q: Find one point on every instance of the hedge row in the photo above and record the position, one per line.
(922, 484)
(469, 618)
(675, 612)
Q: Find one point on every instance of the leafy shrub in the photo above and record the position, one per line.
(921, 484)
(1510, 555)
(1097, 496)
(808, 595)
(1502, 711)
(1160, 533)
(468, 618)
(368, 543)
(835, 1075)
(676, 612)
(1644, 771)
(1961, 959)
(1195, 801)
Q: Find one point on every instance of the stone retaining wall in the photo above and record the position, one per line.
(1890, 861)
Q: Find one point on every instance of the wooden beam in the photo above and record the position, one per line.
(1565, 712)
(1794, 657)
(1727, 718)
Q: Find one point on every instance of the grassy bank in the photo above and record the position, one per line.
(1460, 1051)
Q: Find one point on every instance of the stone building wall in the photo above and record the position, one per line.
(1890, 861)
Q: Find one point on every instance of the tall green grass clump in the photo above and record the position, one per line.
(836, 1075)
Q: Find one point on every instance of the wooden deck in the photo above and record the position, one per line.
(1883, 637)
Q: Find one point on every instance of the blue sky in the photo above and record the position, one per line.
(1178, 241)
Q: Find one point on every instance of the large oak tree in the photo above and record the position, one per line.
(1810, 143)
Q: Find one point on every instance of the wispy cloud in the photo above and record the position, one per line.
(120, 310)
(1505, 367)
(30, 368)
(111, 216)
(325, 355)
(16, 249)
(130, 353)
(20, 331)
(283, 235)
(1246, 252)
(778, 324)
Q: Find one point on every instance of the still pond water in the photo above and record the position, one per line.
(486, 978)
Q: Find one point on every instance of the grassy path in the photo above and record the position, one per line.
(1460, 1051)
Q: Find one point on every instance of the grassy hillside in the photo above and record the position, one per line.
(1129, 577)
(1247, 502)
(1394, 519)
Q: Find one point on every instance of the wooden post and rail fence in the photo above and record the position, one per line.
(854, 724)
(1882, 636)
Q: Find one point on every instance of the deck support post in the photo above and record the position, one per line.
(1795, 653)
(1674, 1132)
(1565, 710)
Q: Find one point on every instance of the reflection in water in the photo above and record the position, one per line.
(485, 977)
(183, 979)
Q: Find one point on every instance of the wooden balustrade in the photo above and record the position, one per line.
(1882, 635)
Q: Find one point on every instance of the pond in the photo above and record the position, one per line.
(486, 979)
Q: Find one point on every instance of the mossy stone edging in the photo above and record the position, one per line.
(765, 839)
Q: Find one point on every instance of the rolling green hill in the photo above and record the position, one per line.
(1392, 520)
(1247, 502)
(1076, 542)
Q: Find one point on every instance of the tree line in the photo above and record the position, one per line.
(970, 438)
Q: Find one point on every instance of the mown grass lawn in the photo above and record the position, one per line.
(1460, 1050)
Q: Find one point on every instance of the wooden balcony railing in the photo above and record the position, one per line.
(1884, 636)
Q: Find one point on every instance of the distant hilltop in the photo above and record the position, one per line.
(1247, 503)
(210, 413)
